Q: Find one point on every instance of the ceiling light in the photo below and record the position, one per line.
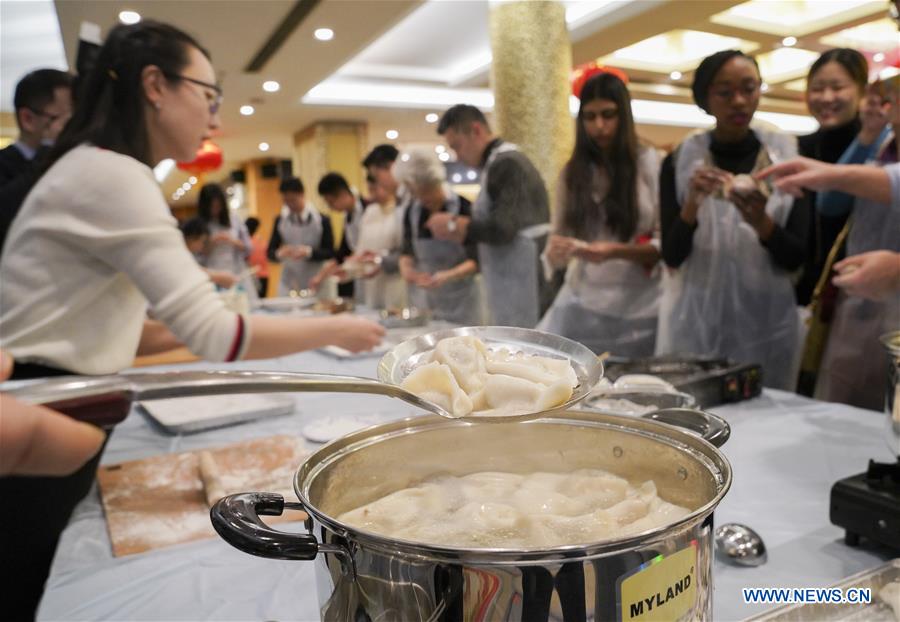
(192, 180)
(440, 149)
(247, 110)
(444, 157)
(263, 146)
(763, 87)
(342, 92)
(795, 17)
(404, 157)
(185, 186)
(878, 57)
(785, 64)
(129, 17)
(270, 86)
(431, 117)
(392, 134)
(876, 36)
(789, 42)
(162, 170)
(471, 175)
(675, 75)
(456, 178)
(324, 34)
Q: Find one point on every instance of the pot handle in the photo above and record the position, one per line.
(236, 519)
(712, 428)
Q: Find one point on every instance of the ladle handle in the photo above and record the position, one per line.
(106, 400)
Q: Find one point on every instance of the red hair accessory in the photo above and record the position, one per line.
(582, 73)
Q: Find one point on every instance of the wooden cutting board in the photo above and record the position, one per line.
(163, 500)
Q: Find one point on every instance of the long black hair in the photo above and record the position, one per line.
(209, 194)
(109, 111)
(618, 210)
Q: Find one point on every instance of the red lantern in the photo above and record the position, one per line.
(209, 158)
(582, 73)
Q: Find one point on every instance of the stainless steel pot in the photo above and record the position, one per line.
(664, 574)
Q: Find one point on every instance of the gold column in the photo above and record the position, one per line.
(264, 202)
(532, 59)
(325, 147)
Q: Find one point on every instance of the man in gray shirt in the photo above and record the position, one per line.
(510, 219)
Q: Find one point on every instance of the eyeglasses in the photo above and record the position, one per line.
(52, 117)
(727, 94)
(215, 101)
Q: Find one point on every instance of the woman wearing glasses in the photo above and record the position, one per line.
(95, 244)
(729, 244)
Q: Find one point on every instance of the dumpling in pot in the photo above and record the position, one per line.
(511, 394)
(436, 383)
(465, 358)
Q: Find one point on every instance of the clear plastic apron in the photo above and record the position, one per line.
(510, 271)
(729, 299)
(296, 273)
(457, 301)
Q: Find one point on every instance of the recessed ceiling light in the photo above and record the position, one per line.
(129, 17)
(763, 87)
(440, 149)
(263, 146)
(431, 117)
(192, 180)
(789, 42)
(404, 157)
(247, 110)
(392, 134)
(675, 75)
(185, 186)
(471, 175)
(324, 34)
(270, 86)
(456, 178)
(878, 57)
(445, 157)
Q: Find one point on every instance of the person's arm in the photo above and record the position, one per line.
(273, 336)
(874, 275)
(833, 202)
(518, 200)
(274, 242)
(325, 249)
(156, 338)
(460, 270)
(867, 182)
(596, 252)
(677, 235)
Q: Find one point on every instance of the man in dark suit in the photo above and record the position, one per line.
(43, 104)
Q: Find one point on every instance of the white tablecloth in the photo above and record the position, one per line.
(786, 452)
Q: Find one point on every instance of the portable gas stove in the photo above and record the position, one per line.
(868, 505)
(710, 381)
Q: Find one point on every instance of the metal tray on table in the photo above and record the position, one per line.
(876, 611)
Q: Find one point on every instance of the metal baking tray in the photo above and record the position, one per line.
(876, 611)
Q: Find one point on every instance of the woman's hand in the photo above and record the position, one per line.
(355, 333)
(874, 275)
(752, 206)
(222, 278)
(294, 252)
(705, 181)
(560, 249)
(436, 280)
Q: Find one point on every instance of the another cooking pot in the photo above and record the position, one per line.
(662, 574)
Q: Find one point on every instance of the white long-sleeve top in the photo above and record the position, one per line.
(92, 246)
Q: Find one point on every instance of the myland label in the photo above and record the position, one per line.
(662, 590)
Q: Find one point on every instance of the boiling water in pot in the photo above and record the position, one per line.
(508, 510)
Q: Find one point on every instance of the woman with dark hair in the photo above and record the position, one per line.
(730, 244)
(229, 242)
(95, 244)
(603, 229)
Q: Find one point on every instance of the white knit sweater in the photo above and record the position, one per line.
(93, 245)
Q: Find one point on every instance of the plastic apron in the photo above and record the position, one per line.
(296, 273)
(456, 301)
(729, 299)
(510, 271)
(381, 231)
(852, 369)
(610, 306)
(227, 258)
